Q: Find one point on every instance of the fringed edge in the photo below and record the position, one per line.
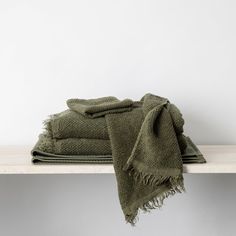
(47, 126)
(154, 180)
(174, 184)
(154, 203)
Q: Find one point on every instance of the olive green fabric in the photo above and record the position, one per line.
(100, 106)
(42, 153)
(147, 156)
(71, 124)
(143, 139)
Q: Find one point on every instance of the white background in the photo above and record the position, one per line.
(53, 50)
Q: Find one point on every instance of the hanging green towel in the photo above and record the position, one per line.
(146, 155)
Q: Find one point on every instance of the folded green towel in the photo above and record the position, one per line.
(145, 139)
(44, 154)
(100, 106)
(71, 124)
(72, 146)
(81, 146)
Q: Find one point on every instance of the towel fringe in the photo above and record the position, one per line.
(47, 125)
(154, 180)
(174, 183)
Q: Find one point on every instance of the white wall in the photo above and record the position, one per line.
(54, 50)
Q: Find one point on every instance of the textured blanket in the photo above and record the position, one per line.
(144, 140)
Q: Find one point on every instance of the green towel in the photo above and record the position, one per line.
(147, 156)
(66, 125)
(71, 124)
(43, 153)
(73, 146)
(99, 106)
(145, 139)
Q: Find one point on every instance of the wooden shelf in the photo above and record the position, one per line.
(17, 160)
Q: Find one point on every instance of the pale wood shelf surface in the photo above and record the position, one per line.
(17, 160)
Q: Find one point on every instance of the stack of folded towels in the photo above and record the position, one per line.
(143, 139)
